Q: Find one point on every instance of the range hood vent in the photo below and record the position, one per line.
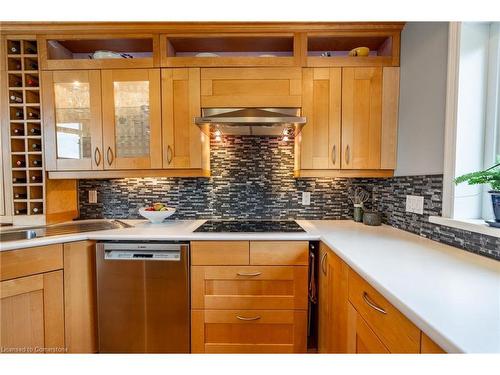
(251, 121)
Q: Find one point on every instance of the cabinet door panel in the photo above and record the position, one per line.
(248, 331)
(72, 120)
(361, 339)
(131, 119)
(320, 138)
(333, 301)
(32, 310)
(361, 118)
(184, 145)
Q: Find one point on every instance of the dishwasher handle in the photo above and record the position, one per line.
(142, 255)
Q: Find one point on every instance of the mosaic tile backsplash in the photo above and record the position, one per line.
(252, 177)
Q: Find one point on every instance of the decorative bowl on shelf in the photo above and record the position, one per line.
(156, 216)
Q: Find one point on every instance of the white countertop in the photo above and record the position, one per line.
(450, 294)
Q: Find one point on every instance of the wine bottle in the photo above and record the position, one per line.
(20, 164)
(35, 178)
(18, 131)
(32, 81)
(21, 211)
(19, 180)
(36, 146)
(33, 114)
(31, 50)
(35, 210)
(14, 49)
(33, 65)
(16, 98)
(37, 162)
(18, 114)
(35, 131)
(20, 196)
(15, 66)
(16, 81)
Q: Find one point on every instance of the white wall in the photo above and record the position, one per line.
(424, 53)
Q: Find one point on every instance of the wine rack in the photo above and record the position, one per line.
(25, 127)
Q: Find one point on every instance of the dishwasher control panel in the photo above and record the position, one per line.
(171, 255)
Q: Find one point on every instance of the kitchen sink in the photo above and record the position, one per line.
(18, 235)
(60, 229)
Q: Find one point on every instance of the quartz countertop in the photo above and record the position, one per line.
(451, 295)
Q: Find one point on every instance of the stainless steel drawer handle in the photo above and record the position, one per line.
(249, 274)
(372, 304)
(247, 319)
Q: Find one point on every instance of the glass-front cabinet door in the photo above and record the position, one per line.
(131, 119)
(72, 116)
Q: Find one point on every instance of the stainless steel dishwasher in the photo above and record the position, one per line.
(143, 297)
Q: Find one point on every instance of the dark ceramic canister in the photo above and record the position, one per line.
(372, 218)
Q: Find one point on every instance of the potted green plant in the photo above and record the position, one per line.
(489, 176)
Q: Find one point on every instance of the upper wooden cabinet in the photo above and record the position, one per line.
(131, 116)
(361, 118)
(184, 145)
(72, 117)
(352, 120)
(321, 105)
(251, 87)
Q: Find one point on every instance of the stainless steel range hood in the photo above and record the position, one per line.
(251, 121)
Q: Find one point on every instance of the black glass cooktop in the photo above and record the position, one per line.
(250, 226)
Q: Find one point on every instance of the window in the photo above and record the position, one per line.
(472, 117)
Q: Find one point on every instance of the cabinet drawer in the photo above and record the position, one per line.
(25, 262)
(249, 287)
(397, 333)
(248, 331)
(279, 253)
(219, 253)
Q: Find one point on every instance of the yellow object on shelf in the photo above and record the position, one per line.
(359, 51)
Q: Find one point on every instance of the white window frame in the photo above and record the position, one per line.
(447, 218)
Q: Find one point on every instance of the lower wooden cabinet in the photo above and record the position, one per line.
(248, 331)
(32, 314)
(361, 338)
(332, 317)
(80, 297)
(249, 296)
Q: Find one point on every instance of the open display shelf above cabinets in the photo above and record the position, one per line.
(230, 50)
(81, 52)
(368, 49)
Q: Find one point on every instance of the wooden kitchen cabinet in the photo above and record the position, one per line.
(80, 297)
(427, 346)
(32, 300)
(333, 302)
(319, 140)
(72, 120)
(131, 116)
(251, 87)
(394, 330)
(249, 296)
(361, 338)
(370, 98)
(184, 145)
(352, 120)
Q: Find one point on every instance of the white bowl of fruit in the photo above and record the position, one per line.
(156, 213)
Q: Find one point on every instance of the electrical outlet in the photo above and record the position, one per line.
(415, 204)
(306, 198)
(92, 196)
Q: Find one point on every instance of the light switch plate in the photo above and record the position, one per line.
(415, 204)
(92, 196)
(306, 198)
